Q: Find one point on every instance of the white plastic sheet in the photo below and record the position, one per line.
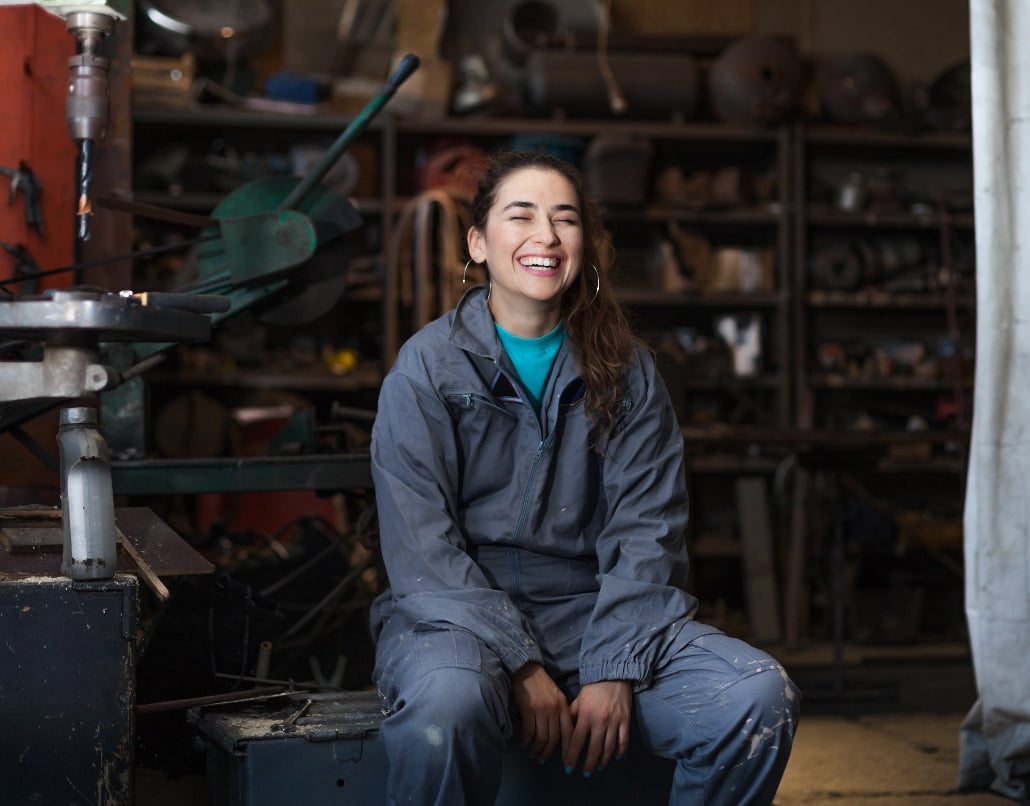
(996, 734)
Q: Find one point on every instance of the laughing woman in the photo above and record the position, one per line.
(529, 476)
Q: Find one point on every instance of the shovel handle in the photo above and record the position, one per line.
(405, 67)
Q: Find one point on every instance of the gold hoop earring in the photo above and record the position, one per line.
(597, 287)
(465, 272)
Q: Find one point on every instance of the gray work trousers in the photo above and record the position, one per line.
(723, 710)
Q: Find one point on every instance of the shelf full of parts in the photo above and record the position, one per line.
(883, 312)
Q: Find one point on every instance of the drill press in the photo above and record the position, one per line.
(87, 109)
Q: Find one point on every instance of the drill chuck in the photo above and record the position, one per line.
(87, 107)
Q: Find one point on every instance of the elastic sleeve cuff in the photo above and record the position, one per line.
(516, 658)
(635, 672)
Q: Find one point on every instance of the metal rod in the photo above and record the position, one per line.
(212, 699)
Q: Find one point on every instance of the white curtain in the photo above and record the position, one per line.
(996, 734)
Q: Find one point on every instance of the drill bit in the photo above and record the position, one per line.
(85, 206)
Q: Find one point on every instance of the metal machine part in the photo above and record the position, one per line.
(87, 500)
(756, 81)
(859, 88)
(71, 325)
(87, 109)
(571, 82)
(213, 32)
(505, 33)
(950, 99)
(526, 26)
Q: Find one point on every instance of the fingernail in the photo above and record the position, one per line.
(586, 774)
(599, 767)
(568, 770)
(618, 758)
(541, 761)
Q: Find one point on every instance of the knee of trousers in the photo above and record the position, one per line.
(454, 701)
(768, 701)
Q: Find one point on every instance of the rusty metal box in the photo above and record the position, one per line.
(67, 690)
(305, 747)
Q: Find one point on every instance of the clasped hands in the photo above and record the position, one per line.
(594, 727)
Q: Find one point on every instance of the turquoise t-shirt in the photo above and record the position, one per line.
(533, 358)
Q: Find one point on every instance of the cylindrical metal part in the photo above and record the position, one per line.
(87, 497)
(86, 109)
(264, 660)
(756, 81)
(572, 82)
(87, 106)
(526, 26)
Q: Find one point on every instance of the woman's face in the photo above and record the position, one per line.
(533, 248)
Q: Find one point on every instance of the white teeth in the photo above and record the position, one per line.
(540, 262)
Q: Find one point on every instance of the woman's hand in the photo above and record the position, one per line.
(601, 713)
(546, 718)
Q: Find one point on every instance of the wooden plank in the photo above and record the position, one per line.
(29, 539)
(159, 546)
(760, 582)
(144, 570)
(794, 606)
(150, 542)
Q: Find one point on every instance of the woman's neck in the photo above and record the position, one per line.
(526, 322)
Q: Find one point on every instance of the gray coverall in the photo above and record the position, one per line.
(507, 539)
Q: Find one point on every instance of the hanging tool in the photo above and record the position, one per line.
(24, 181)
(272, 225)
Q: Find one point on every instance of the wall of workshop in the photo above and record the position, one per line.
(922, 38)
(34, 51)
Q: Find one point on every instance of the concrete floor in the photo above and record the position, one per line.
(881, 728)
(877, 760)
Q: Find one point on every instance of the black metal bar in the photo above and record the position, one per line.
(328, 472)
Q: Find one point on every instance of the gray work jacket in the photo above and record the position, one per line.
(508, 525)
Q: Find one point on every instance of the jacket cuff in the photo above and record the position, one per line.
(517, 657)
(633, 671)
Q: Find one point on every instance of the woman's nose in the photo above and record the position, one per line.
(546, 233)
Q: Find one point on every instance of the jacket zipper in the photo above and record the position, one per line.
(517, 533)
(515, 577)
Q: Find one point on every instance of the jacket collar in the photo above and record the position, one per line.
(472, 328)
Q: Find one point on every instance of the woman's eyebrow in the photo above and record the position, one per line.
(525, 204)
(558, 208)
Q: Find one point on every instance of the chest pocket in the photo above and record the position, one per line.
(464, 405)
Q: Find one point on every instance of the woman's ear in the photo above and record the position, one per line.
(477, 251)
